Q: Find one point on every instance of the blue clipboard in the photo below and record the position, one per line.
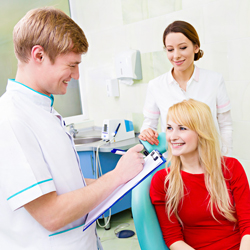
(152, 162)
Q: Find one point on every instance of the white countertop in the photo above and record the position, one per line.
(96, 132)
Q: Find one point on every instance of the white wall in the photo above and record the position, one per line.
(115, 25)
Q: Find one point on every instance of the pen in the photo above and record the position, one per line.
(114, 134)
(118, 151)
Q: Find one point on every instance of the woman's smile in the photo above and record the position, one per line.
(177, 145)
(178, 63)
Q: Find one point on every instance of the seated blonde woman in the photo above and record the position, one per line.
(202, 200)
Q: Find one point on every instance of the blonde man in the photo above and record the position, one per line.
(44, 197)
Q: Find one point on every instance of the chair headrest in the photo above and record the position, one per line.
(162, 147)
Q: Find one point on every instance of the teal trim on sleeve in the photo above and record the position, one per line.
(65, 230)
(40, 182)
(50, 97)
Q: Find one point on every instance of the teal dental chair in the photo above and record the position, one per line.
(145, 219)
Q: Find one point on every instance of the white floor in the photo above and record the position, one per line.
(108, 238)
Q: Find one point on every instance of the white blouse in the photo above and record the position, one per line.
(205, 86)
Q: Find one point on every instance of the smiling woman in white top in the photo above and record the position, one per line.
(184, 81)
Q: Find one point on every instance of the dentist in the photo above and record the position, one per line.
(185, 80)
(43, 195)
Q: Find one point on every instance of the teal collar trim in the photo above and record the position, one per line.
(50, 97)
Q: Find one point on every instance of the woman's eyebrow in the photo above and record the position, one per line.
(177, 44)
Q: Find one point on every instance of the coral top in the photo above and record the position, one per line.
(200, 230)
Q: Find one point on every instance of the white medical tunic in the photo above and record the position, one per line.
(37, 157)
(163, 92)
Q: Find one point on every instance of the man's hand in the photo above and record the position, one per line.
(130, 164)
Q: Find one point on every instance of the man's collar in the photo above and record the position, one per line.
(35, 97)
(21, 84)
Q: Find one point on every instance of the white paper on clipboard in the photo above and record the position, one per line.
(152, 161)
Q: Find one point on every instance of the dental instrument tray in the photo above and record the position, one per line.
(115, 130)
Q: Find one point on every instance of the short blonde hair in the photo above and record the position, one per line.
(50, 28)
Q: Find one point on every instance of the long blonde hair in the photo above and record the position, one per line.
(197, 116)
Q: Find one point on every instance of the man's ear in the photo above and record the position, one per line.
(37, 53)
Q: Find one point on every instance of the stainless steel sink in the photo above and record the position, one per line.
(86, 140)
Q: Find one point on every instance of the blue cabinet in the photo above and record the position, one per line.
(108, 162)
(87, 161)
